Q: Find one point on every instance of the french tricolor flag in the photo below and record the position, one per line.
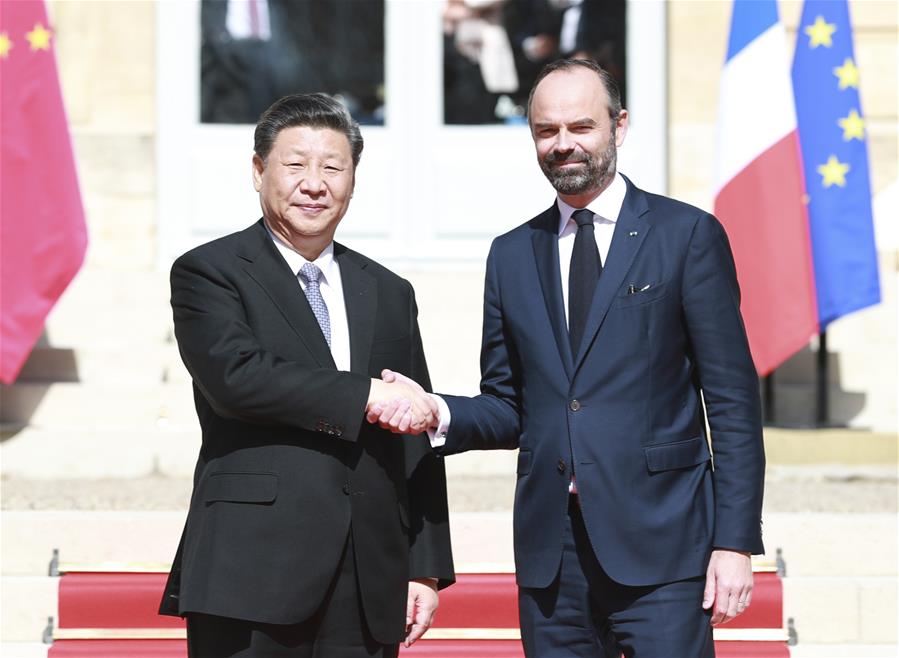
(760, 189)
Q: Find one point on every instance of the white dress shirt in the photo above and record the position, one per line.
(605, 208)
(331, 287)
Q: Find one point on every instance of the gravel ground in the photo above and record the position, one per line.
(787, 489)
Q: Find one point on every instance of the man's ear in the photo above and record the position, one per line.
(258, 168)
(621, 128)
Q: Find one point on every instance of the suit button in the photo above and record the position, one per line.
(346, 489)
(574, 405)
(561, 466)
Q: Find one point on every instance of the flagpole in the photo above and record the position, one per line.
(770, 417)
(823, 382)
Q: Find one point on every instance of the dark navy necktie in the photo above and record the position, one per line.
(582, 276)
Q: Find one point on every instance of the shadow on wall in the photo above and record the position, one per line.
(795, 393)
(45, 366)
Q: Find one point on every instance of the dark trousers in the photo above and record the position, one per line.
(337, 630)
(584, 613)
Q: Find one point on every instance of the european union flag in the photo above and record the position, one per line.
(835, 157)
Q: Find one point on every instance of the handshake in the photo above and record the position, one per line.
(399, 404)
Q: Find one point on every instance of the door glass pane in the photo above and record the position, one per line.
(255, 51)
(493, 50)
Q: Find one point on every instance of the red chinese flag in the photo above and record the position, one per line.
(42, 232)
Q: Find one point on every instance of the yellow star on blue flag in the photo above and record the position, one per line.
(835, 157)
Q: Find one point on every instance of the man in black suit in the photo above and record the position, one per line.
(310, 533)
(612, 336)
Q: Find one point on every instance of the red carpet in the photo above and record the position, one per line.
(113, 615)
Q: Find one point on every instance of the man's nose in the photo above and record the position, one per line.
(312, 183)
(564, 143)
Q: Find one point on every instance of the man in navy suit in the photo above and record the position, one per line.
(612, 335)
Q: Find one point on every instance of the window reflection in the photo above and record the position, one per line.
(255, 51)
(493, 50)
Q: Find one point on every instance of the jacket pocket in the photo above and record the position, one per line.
(682, 454)
(640, 297)
(241, 487)
(524, 462)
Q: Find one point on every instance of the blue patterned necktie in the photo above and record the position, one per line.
(311, 275)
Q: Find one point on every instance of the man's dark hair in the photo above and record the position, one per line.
(566, 65)
(312, 110)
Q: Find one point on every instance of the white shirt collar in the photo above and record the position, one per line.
(325, 261)
(607, 206)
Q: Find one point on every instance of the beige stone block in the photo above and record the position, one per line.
(24, 649)
(107, 56)
(878, 611)
(691, 159)
(26, 603)
(883, 153)
(877, 54)
(118, 163)
(697, 45)
(121, 232)
(450, 313)
(866, 15)
(483, 462)
(111, 316)
(825, 610)
(84, 537)
(92, 453)
(805, 650)
(822, 544)
(94, 407)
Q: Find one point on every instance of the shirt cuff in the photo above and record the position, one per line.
(437, 435)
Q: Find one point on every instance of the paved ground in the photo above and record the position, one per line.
(787, 489)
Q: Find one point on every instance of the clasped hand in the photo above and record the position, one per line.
(399, 404)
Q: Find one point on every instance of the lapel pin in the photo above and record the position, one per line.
(632, 233)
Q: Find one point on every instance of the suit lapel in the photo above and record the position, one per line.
(360, 293)
(630, 232)
(545, 238)
(266, 266)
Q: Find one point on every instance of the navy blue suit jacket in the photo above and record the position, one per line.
(625, 413)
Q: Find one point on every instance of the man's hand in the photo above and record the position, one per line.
(414, 411)
(401, 406)
(421, 605)
(728, 585)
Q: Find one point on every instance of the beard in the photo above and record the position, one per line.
(592, 172)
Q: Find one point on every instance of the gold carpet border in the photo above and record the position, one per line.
(721, 634)
(759, 565)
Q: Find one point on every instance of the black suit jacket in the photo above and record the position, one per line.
(626, 412)
(287, 464)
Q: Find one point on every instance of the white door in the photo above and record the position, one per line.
(427, 194)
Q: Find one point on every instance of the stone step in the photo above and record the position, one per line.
(821, 544)
(26, 603)
(36, 453)
(24, 649)
(813, 545)
(833, 609)
(132, 366)
(807, 650)
(71, 406)
(840, 585)
(121, 431)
